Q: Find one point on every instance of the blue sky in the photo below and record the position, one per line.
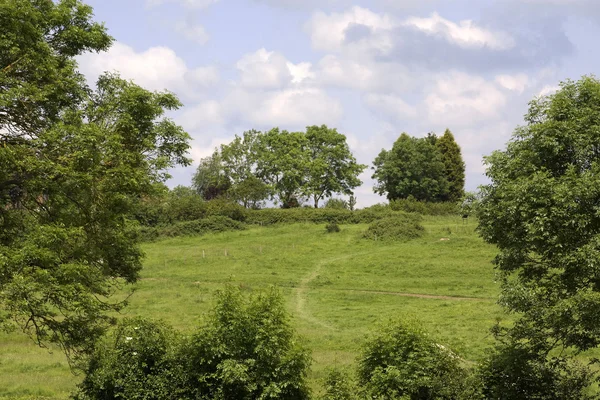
(372, 69)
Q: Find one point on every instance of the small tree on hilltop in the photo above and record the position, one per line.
(413, 167)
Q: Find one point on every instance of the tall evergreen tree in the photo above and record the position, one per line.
(454, 165)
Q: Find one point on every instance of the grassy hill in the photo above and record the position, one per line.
(338, 286)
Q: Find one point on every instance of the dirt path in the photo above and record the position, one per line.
(417, 295)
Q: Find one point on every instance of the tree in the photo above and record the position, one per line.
(331, 166)
(239, 159)
(454, 165)
(282, 163)
(541, 210)
(74, 164)
(210, 180)
(413, 167)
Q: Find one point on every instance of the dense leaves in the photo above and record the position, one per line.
(245, 350)
(453, 164)
(402, 362)
(73, 168)
(412, 168)
(541, 210)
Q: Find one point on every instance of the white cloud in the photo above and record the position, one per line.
(460, 99)
(328, 31)
(516, 83)
(197, 4)
(301, 71)
(264, 69)
(464, 34)
(363, 74)
(194, 32)
(157, 68)
(390, 105)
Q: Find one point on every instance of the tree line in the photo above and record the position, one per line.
(288, 166)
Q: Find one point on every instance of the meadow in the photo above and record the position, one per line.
(338, 288)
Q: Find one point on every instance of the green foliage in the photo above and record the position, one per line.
(332, 227)
(272, 216)
(331, 166)
(454, 165)
(337, 204)
(413, 167)
(541, 210)
(411, 205)
(210, 180)
(39, 42)
(247, 349)
(402, 362)
(138, 360)
(339, 386)
(74, 163)
(519, 372)
(281, 163)
(211, 224)
(400, 227)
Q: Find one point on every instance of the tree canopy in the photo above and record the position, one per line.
(74, 163)
(283, 166)
(413, 167)
(541, 210)
(453, 164)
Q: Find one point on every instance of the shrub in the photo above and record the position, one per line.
(226, 208)
(246, 350)
(211, 224)
(521, 372)
(403, 362)
(272, 216)
(411, 205)
(332, 227)
(339, 386)
(400, 227)
(337, 204)
(137, 361)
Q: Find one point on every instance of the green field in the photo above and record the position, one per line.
(338, 287)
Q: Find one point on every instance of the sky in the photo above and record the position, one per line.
(372, 69)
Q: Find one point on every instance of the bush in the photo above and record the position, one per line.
(137, 361)
(211, 224)
(332, 227)
(411, 205)
(339, 386)
(521, 372)
(246, 350)
(271, 216)
(337, 204)
(400, 227)
(403, 362)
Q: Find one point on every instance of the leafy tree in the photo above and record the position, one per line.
(413, 167)
(251, 192)
(74, 164)
(402, 362)
(541, 210)
(331, 166)
(38, 75)
(210, 180)
(338, 204)
(282, 163)
(454, 165)
(246, 350)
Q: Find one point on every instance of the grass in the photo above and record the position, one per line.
(338, 288)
